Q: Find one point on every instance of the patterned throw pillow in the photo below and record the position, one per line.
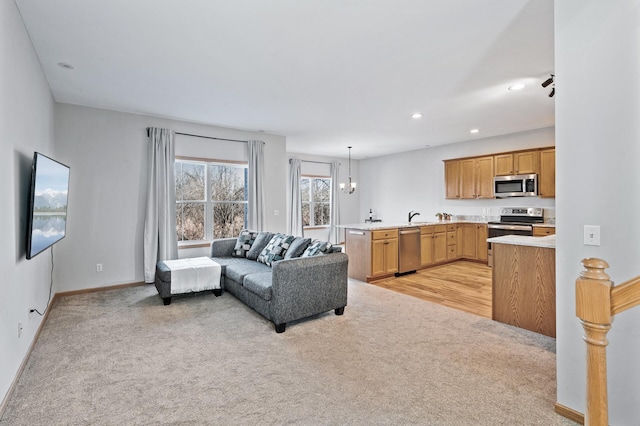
(317, 248)
(259, 244)
(276, 249)
(244, 243)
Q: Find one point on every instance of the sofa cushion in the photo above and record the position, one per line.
(259, 284)
(237, 271)
(317, 248)
(276, 249)
(297, 247)
(259, 244)
(224, 261)
(244, 242)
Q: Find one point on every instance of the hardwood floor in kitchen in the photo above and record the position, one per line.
(461, 285)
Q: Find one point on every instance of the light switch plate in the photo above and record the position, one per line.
(591, 235)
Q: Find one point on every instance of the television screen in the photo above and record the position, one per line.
(47, 204)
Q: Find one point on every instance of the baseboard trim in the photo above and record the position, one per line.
(12, 388)
(569, 413)
(9, 394)
(96, 289)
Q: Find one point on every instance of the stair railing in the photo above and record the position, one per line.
(597, 302)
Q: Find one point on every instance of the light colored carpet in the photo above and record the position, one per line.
(122, 358)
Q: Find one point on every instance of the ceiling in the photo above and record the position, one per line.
(326, 74)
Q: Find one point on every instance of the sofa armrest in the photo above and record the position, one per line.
(307, 286)
(222, 247)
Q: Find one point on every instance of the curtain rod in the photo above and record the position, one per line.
(309, 161)
(205, 137)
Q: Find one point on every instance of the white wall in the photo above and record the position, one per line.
(106, 151)
(598, 146)
(349, 203)
(393, 185)
(26, 125)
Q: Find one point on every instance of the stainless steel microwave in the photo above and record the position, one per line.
(515, 186)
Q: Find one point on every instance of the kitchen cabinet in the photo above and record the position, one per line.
(439, 243)
(474, 241)
(516, 163)
(476, 178)
(452, 239)
(452, 179)
(543, 231)
(384, 252)
(426, 246)
(547, 177)
(372, 254)
(481, 242)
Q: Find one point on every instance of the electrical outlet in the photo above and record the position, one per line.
(98, 267)
(19, 328)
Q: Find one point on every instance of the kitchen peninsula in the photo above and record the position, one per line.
(524, 285)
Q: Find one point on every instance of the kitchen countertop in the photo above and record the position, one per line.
(390, 225)
(548, 241)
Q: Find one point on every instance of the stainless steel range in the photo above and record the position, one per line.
(514, 221)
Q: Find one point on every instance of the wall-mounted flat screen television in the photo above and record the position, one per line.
(47, 204)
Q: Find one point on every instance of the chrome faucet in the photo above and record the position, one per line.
(412, 214)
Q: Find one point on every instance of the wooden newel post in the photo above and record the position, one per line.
(593, 307)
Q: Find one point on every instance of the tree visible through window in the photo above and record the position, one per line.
(316, 201)
(211, 199)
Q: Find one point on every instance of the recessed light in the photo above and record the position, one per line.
(416, 115)
(474, 130)
(65, 65)
(517, 86)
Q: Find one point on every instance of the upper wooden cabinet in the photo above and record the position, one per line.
(547, 178)
(476, 178)
(452, 179)
(472, 178)
(517, 163)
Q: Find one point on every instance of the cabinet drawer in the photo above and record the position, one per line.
(451, 238)
(452, 227)
(543, 231)
(440, 228)
(426, 230)
(451, 252)
(384, 233)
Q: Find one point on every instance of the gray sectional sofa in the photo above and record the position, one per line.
(293, 280)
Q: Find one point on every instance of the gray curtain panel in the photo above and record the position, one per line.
(295, 214)
(256, 215)
(334, 233)
(160, 240)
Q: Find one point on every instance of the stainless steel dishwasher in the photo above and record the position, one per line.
(408, 250)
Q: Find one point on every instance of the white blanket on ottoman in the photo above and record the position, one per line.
(192, 275)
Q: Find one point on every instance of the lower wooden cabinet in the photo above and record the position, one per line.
(372, 254)
(474, 241)
(543, 231)
(384, 257)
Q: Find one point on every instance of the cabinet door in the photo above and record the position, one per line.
(467, 179)
(469, 241)
(526, 162)
(459, 242)
(426, 249)
(503, 164)
(452, 179)
(439, 247)
(391, 256)
(484, 177)
(378, 266)
(547, 178)
(481, 242)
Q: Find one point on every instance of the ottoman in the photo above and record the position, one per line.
(182, 276)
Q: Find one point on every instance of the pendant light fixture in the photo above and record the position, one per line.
(352, 185)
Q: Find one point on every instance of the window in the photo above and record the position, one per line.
(211, 199)
(316, 200)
